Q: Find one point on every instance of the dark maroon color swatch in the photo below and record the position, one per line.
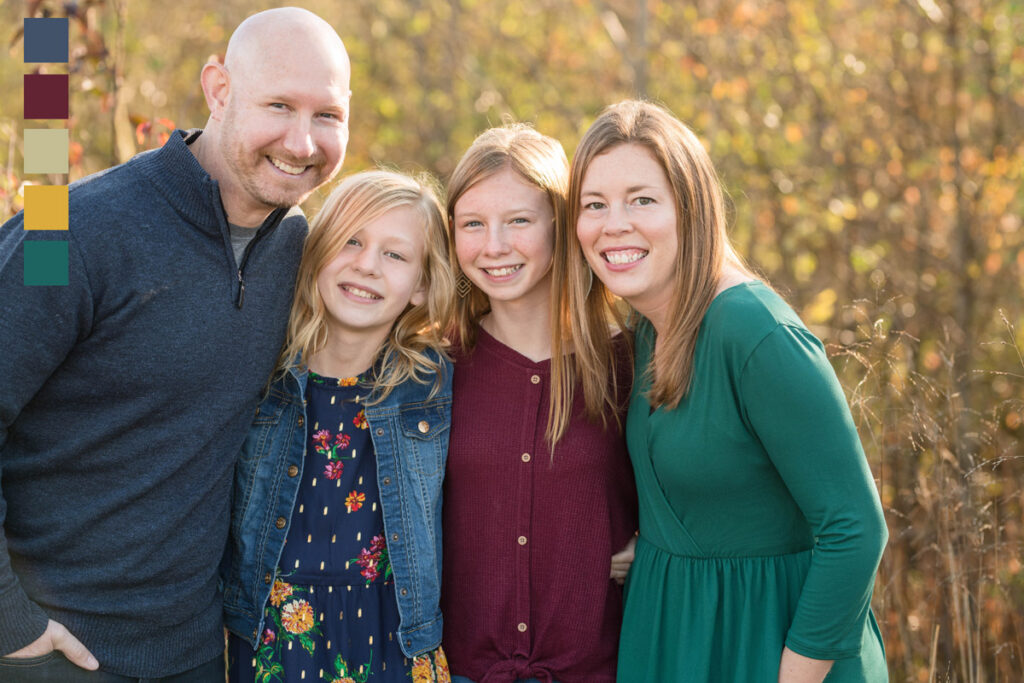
(46, 96)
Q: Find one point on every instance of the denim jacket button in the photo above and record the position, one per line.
(387, 480)
(404, 591)
(267, 578)
(281, 523)
(293, 470)
(423, 426)
(394, 537)
(380, 431)
(301, 420)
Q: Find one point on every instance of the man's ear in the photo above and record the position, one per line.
(216, 82)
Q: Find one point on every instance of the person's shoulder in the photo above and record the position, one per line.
(295, 219)
(743, 315)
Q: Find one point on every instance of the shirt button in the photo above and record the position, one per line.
(526, 457)
(293, 471)
(301, 420)
(281, 523)
(423, 426)
(535, 379)
(522, 540)
(521, 627)
(267, 578)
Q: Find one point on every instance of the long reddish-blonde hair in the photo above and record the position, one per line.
(541, 161)
(704, 245)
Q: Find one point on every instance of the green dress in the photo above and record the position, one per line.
(760, 525)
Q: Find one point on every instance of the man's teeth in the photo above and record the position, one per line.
(621, 257)
(360, 292)
(287, 168)
(502, 272)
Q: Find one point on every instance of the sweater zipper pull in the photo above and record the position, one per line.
(241, 290)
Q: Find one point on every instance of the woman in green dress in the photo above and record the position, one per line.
(760, 525)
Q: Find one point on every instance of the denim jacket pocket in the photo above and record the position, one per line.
(426, 425)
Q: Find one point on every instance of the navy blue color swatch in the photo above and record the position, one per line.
(46, 40)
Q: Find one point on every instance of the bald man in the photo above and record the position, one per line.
(126, 394)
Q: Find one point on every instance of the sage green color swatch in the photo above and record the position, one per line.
(46, 150)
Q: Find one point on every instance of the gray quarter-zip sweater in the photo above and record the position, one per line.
(124, 399)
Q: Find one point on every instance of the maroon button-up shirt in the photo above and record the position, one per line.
(528, 538)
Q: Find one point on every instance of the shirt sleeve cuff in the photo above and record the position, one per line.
(817, 652)
(21, 620)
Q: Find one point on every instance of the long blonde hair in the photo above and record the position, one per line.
(704, 245)
(356, 201)
(541, 161)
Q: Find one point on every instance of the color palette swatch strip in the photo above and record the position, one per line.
(46, 152)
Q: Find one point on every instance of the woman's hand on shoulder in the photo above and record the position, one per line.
(622, 561)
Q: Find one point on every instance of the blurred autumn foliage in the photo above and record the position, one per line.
(872, 151)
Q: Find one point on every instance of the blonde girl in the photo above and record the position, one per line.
(334, 562)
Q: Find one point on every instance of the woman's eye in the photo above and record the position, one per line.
(520, 220)
(394, 255)
(353, 241)
(644, 201)
(472, 224)
(593, 206)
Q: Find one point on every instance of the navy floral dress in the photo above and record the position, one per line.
(332, 614)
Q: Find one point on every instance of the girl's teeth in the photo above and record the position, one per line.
(502, 272)
(361, 292)
(622, 257)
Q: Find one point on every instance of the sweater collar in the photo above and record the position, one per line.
(177, 174)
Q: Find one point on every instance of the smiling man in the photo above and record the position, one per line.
(126, 394)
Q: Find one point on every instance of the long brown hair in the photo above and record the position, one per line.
(541, 161)
(356, 201)
(704, 246)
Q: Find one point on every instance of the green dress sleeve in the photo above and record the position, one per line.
(792, 400)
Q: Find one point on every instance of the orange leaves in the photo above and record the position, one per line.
(146, 132)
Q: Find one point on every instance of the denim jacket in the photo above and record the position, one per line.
(410, 439)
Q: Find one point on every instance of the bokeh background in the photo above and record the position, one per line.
(872, 151)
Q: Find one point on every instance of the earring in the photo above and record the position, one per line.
(463, 286)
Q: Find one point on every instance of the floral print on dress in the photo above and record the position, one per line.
(360, 420)
(431, 667)
(325, 445)
(289, 619)
(375, 561)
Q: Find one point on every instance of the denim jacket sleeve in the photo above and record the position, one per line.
(267, 477)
